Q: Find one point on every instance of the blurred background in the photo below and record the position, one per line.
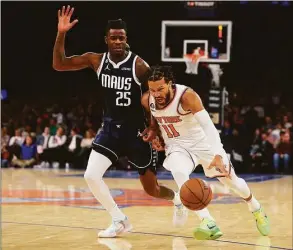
(42, 109)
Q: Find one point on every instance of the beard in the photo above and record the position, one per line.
(168, 97)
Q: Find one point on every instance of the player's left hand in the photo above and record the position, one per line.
(218, 163)
(149, 134)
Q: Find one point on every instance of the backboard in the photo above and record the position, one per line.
(179, 38)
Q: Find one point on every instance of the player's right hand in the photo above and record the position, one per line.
(64, 16)
(219, 165)
(158, 144)
(149, 134)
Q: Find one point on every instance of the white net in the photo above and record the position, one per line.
(192, 61)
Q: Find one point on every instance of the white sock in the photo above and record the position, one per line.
(253, 204)
(117, 214)
(97, 166)
(204, 214)
(176, 199)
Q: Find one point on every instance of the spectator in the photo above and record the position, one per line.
(227, 130)
(4, 147)
(42, 147)
(284, 152)
(28, 154)
(14, 146)
(268, 123)
(73, 148)
(53, 126)
(276, 134)
(287, 124)
(17, 139)
(88, 139)
(262, 154)
(57, 148)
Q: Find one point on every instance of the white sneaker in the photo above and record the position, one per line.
(116, 228)
(180, 212)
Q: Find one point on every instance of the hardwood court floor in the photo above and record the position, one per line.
(47, 209)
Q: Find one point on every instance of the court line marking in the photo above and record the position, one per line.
(146, 233)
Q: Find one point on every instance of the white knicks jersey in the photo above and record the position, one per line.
(177, 126)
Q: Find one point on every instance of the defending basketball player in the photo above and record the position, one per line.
(123, 77)
(191, 139)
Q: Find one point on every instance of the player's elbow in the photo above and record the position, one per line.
(57, 66)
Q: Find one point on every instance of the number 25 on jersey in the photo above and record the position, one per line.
(123, 98)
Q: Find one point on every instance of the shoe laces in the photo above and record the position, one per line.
(113, 226)
(261, 217)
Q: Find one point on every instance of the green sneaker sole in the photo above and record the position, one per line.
(201, 234)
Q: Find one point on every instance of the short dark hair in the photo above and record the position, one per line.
(116, 24)
(160, 71)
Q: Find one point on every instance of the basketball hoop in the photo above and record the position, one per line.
(192, 61)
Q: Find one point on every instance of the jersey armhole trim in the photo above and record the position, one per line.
(133, 71)
(179, 104)
(101, 65)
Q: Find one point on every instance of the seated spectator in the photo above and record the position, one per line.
(57, 148)
(284, 152)
(276, 134)
(73, 148)
(53, 126)
(14, 146)
(257, 137)
(287, 124)
(268, 123)
(4, 147)
(28, 154)
(226, 130)
(262, 154)
(42, 147)
(86, 142)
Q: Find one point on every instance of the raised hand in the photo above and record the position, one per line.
(64, 16)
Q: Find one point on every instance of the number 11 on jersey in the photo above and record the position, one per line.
(170, 131)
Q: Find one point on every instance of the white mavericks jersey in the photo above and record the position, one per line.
(177, 126)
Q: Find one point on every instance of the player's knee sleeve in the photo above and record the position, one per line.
(97, 166)
(180, 165)
(236, 184)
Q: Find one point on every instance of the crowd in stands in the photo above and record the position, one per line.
(257, 135)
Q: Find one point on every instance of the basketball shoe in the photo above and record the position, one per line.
(262, 222)
(208, 230)
(180, 214)
(116, 228)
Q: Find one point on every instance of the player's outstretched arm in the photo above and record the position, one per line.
(77, 62)
(190, 101)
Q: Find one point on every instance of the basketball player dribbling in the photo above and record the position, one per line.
(123, 78)
(190, 138)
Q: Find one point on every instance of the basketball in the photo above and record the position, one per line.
(195, 194)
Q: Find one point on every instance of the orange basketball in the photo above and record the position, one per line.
(195, 194)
